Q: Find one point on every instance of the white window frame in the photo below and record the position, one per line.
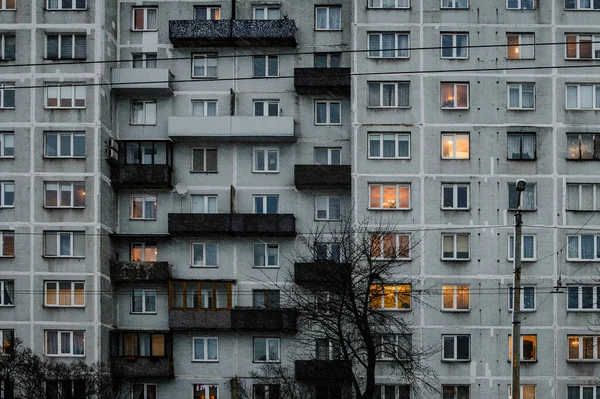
(145, 389)
(60, 136)
(4, 46)
(595, 96)
(382, 187)
(6, 187)
(4, 294)
(329, 56)
(264, 168)
(589, 37)
(398, 304)
(396, 103)
(511, 247)
(264, 199)
(581, 388)
(325, 251)
(455, 389)
(453, 138)
(455, 357)
(577, 6)
(59, 190)
(265, 59)
(72, 290)
(579, 188)
(4, 234)
(455, 49)
(520, 105)
(5, 89)
(379, 138)
(521, 136)
(327, 207)
(384, 339)
(146, 19)
(327, 24)
(265, 105)
(399, 390)
(398, 244)
(595, 347)
(455, 86)
(4, 5)
(267, 340)
(205, 349)
(145, 59)
(59, 334)
(74, 92)
(523, 288)
(211, 11)
(205, 109)
(455, 187)
(594, 300)
(143, 246)
(529, 189)
(145, 199)
(328, 112)
(454, 256)
(596, 249)
(7, 151)
(265, 249)
(205, 58)
(144, 293)
(205, 151)
(206, 199)
(5, 332)
(266, 9)
(207, 388)
(72, 249)
(330, 152)
(397, 4)
(522, 360)
(381, 52)
(60, 37)
(522, 389)
(519, 46)
(454, 5)
(454, 290)
(520, 5)
(60, 6)
(149, 113)
(205, 246)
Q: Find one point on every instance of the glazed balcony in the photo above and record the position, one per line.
(132, 271)
(322, 176)
(199, 319)
(322, 371)
(237, 32)
(141, 82)
(142, 176)
(141, 354)
(252, 319)
(142, 164)
(233, 224)
(142, 367)
(334, 81)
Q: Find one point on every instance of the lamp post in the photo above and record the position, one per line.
(516, 315)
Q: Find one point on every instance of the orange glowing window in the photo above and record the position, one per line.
(390, 297)
(454, 95)
(389, 196)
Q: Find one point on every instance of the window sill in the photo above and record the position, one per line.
(581, 210)
(63, 108)
(391, 259)
(63, 307)
(373, 107)
(328, 220)
(389, 159)
(519, 59)
(455, 310)
(582, 310)
(205, 172)
(582, 160)
(523, 361)
(62, 257)
(7, 207)
(328, 124)
(204, 361)
(387, 58)
(582, 260)
(8, 157)
(7, 108)
(388, 8)
(454, 109)
(48, 157)
(143, 30)
(142, 124)
(7, 306)
(455, 260)
(390, 209)
(520, 109)
(527, 260)
(272, 172)
(456, 360)
(7, 256)
(143, 219)
(328, 30)
(203, 77)
(454, 8)
(65, 9)
(266, 267)
(393, 310)
(64, 207)
(143, 313)
(454, 58)
(521, 210)
(64, 355)
(521, 159)
(266, 361)
(204, 266)
(456, 209)
(523, 310)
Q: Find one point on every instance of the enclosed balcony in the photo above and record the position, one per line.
(141, 82)
(143, 164)
(323, 371)
(228, 33)
(252, 319)
(233, 128)
(141, 354)
(333, 81)
(199, 305)
(233, 224)
(322, 176)
(137, 271)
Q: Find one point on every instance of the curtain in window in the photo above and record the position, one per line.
(389, 3)
(150, 302)
(335, 17)
(573, 196)
(374, 46)
(528, 93)
(461, 3)
(65, 342)
(402, 46)
(587, 246)
(199, 348)
(388, 45)
(78, 342)
(272, 159)
(80, 47)
(272, 255)
(150, 207)
(66, 46)
(374, 93)
(8, 293)
(321, 112)
(321, 18)
(403, 94)
(145, 347)
(192, 296)
(529, 197)
(211, 349)
(461, 43)
(587, 196)
(514, 147)
(528, 298)
(447, 3)
(586, 100)
(52, 4)
(389, 94)
(65, 244)
(52, 46)
(528, 247)
(513, 96)
(528, 146)
(572, 96)
(588, 392)
(151, 15)
(587, 146)
(573, 392)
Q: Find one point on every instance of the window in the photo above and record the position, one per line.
(583, 247)
(144, 391)
(266, 107)
(521, 96)
(64, 293)
(197, 295)
(144, 251)
(266, 66)
(65, 388)
(520, 46)
(456, 348)
(7, 292)
(204, 254)
(582, 392)
(65, 47)
(327, 252)
(328, 156)
(389, 45)
(390, 246)
(528, 252)
(389, 3)
(64, 195)
(583, 96)
(204, 65)
(143, 113)
(520, 4)
(454, 96)
(210, 13)
(266, 160)
(143, 301)
(527, 298)
(68, 244)
(144, 18)
(266, 350)
(140, 344)
(204, 160)
(266, 255)
(527, 197)
(455, 196)
(7, 95)
(583, 197)
(65, 95)
(7, 145)
(326, 349)
(7, 194)
(328, 60)
(144, 60)
(266, 204)
(391, 297)
(583, 146)
(328, 113)
(327, 208)
(264, 391)
(204, 203)
(143, 207)
(455, 392)
(204, 108)
(206, 349)
(521, 146)
(7, 343)
(64, 144)
(267, 299)
(389, 196)
(7, 243)
(584, 348)
(65, 5)
(203, 391)
(527, 392)
(455, 4)
(455, 297)
(455, 247)
(585, 297)
(266, 12)
(7, 44)
(455, 146)
(328, 18)
(528, 348)
(454, 45)
(389, 146)
(394, 347)
(582, 5)
(65, 343)
(582, 47)
(389, 94)
(392, 391)
(8, 5)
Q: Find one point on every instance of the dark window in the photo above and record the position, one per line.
(521, 146)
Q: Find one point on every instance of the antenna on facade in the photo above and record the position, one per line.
(181, 189)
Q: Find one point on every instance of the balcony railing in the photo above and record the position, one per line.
(238, 32)
(251, 319)
(132, 271)
(323, 370)
(139, 82)
(335, 81)
(142, 367)
(321, 272)
(141, 175)
(234, 128)
(234, 224)
(322, 176)
(190, 319)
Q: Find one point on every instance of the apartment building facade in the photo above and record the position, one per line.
(159, 160)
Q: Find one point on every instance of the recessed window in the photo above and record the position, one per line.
(7, 43)
(583, 96)
(7, 243)
(8, 4)
(206, 350)
(392, 391)
(204, 108)
(527, 197)
(583, 247)
(266, 255)
(64, 195)
(266, 12)
(207, 13)
(202, 391)
(528, 348)
(144, 19)
(328, 60)
(144, 60)
(582, 47)
(583, 297)
(328, 208)
(390, 246)
(521, 146)
(455, 45)
(328, 156)
(7, 145)
(64, 4)
(526, 392)
(7, 292)
(520, 46)
(455, 146)
(204, 254)
(393, 347)
(582, 392)
(389, 146)
(143, 301)
(65, 244)
(582, 5)
(455, 196)
(389, 196)
(140, 344)
(65, 388)
(521, 96)
(328, 113)
(389, 94)
(389, 3)
(456, 348)
(455, 247)
(527, 298)
(583, 197)
(7, 194)
(203, 203)
(266, 391)
(204, 65)
(64, 293)
(328, 18)
(327, 252)
(454, 95)
(266, 350)
(145, 391)
(266, 160)
(266, 107)
(204, 160)
(7, 346)
(265, 66)
(143, 113)
(389, 45)
(65, 96)
(7, 95)
(266, 204)
(528, 248)
(198, 295)
(455, 297)
(585, 146)
(520, 4)
(584, 348)
(144, 251)
(65, 47)
(459, 4)
(143, 207)
(390, 297)
(64, 144)
(265, 299)
(65, 343)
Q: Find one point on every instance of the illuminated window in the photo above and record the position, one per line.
(7, 342)
(389, 196)
(527, 392)
(520, 46)
(144, 18)
(455, 45)
(455, 247)
(196, 295)
(64, 195)
(454, 96)
(144, 252)
(528, 348)
(140, 344)
(584, 146)
(455, 392)
(8, 4)
(207, 13)
(527, 298)
(64, 293)
(584, 347)
(455, 146)
(390, 246)
(7, 243)
(143, 207)
(455, 297)
(456, 348)
(582, 47)
(583, 96)
(455, 196)
(391, 297)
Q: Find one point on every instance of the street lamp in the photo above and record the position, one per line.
(516, 315)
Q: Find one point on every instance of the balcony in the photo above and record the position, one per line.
(238, 32)
(132, 271)
(323, 371)
(189, 319)
(141, 176)
(142, 367)
(334, 81)
(276, 320)
(322, 176)
(233, 128)
(137, 81)
(233, 224)
(320, 272)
